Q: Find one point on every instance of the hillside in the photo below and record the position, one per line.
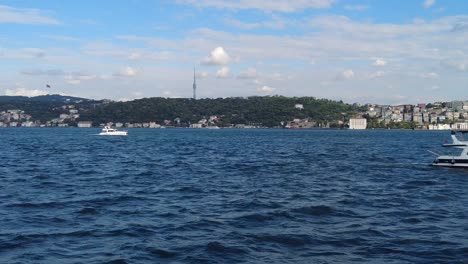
(267, 111)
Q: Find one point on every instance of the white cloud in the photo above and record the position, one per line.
(51, 72)
(279, 77)
(346, 75)
(126, 72)
(103, 49)
(24, 16)
(24, 92)
(34, 52)
(250, 73)
(72, 81)
(356, 7)
(134, 56)
(76, 78)
(137, 95)
(460, 65)
(380, 62)
(60, 38)
(430, 75)
(377, 74)
(428, 3)
(202, 75)
(257, 82)
(218, 56)
(275, 23)
(242, 25)
(223, 72)
(265, 89)
(265, 5)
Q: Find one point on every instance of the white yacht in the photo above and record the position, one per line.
(107, 131)
(460, 161)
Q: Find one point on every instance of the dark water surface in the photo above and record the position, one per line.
(229, 196)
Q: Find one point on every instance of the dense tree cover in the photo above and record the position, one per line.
(373, 122)
(43, 108)
(268, 111)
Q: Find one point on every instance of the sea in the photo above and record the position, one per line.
(68, 195)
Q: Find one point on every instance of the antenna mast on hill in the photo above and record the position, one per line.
(194, 86)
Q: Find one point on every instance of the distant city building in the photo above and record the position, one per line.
(456, 105)
(299, 106)
(460, 126)
(154, 125)
(28, 124)
(357, 123)
(418, 118)
(439, 127)
(407, 117)
(86, 124)
(196, 125)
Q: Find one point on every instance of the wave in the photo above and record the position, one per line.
(319, 210)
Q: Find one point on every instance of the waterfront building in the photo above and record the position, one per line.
(408, 117)
(28, 124)
(439, 127)
(85, 124)
(357, 123)
(460, 126)
(154, 125)
(418, 118)
(196, 125)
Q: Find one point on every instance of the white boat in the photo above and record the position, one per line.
(455, 161)
(107, 131)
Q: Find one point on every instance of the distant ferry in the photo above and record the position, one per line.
(460, 161)
(107, 131)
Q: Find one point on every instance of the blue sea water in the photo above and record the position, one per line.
(229, 196)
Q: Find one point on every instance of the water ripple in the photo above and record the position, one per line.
(229, 196)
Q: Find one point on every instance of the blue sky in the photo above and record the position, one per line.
(357, 50)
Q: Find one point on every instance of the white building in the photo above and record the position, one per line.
(357, 123)
(460, 126)
(439, 127)
(85, 124)
(28, 124)
(299, 106)
(196, 125)
(154, 125)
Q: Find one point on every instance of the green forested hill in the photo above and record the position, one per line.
(269, 111)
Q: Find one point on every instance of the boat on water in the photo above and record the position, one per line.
(107, 131)
(454, 161)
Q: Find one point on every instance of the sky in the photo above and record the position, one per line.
(363, 51)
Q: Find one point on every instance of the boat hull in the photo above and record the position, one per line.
(451, 162)
(119, 133)
(449, 165)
